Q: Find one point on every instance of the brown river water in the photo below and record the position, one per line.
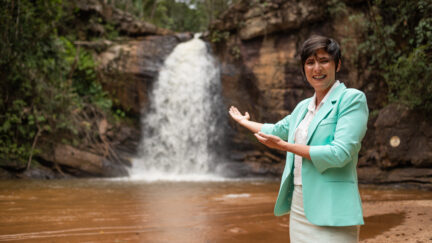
(93, 210)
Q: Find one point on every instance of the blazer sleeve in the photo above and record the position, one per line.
(280, 129)
(350, 130)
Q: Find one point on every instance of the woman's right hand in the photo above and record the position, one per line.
(244, 120)
(237, 116)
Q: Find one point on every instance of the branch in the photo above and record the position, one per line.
(34, 145)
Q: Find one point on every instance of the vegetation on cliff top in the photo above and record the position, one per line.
(176, 15)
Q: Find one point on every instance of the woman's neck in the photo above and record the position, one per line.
(319, 96)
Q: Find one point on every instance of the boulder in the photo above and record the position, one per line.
(403, 137)
(40, 172)
(83, 162)
(4, 174)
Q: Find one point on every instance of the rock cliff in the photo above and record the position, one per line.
(257, 43)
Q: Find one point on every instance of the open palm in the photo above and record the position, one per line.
(236, 115)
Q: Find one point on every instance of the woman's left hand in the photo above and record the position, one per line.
(271, 141)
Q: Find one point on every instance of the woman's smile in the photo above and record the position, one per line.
(319, 77)
(320, 71)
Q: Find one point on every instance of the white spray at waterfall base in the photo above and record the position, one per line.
(184, 122)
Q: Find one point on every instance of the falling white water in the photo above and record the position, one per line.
(184, 123)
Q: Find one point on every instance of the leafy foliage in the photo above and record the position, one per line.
(398, 43)
(218, 36)
(46, 82)
(186, 15)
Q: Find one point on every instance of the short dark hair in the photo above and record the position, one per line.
(316, 42)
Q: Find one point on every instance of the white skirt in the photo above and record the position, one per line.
(302, 231)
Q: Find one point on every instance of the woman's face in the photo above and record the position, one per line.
(320, 70)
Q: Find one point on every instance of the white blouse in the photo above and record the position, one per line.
(301, 132)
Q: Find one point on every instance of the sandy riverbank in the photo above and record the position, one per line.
(404, 218)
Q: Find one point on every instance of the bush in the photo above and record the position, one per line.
(48, 86)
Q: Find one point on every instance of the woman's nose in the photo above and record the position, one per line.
(317, 67)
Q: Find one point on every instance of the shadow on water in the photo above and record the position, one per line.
(378, 224)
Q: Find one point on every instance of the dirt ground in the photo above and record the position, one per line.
(406, 217)
(410, 221)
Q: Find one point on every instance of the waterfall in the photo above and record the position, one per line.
(184, 125)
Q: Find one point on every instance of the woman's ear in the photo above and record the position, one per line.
(338, 66)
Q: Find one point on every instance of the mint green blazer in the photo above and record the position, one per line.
(330, 188)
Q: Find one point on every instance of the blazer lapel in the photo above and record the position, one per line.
(325, 109)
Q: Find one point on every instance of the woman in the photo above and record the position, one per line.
(322, 137)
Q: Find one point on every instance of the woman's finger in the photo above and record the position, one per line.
(261, 134)
(268, 136)
(235, 111)
(261, 139)
(266, 141)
